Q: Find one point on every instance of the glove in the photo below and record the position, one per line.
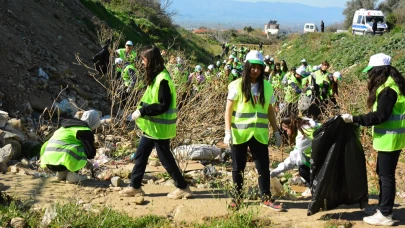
(347, 118)
(278, 138)
(228, 137)
(136, 115)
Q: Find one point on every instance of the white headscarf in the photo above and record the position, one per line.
(92, 118)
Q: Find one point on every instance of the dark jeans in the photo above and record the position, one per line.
(260, 153)
(386, 165)
(304, 172)
(145, 147)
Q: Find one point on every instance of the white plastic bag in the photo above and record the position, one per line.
(197, 152)
(49, 215)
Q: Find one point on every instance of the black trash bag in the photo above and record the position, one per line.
(102, 58)
(338, 167)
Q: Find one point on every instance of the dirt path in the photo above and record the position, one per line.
(207, 203)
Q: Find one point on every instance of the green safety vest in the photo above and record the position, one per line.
(390, 135)
(162, 126)
(127, 57)
(320, 78)
(276, 81)
(290, 95)
(247, 120)
(125, 75)
(63, 148)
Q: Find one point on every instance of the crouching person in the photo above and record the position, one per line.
(67, 151)
(301, 130)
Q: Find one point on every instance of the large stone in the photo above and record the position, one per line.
(18, 222)
(40, 100)
(20, 135)
(6, 153)
(116, 181)
(16, 147)
(3, 118)
(139, 200)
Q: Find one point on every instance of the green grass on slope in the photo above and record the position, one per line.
(343, 50)
(143, 31)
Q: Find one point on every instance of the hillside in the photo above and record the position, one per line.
(48, 35)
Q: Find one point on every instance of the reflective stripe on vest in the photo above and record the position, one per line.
(390, 135)
(65, 149)
(162, 126)
(247, 120)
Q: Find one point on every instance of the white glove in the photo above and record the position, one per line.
(278, 138)
(228, 138)
(347, 118)
(136, 115)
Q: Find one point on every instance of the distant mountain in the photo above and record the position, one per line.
(253, 13)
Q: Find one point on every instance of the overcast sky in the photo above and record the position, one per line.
(319, 3)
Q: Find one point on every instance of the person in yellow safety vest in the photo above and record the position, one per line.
(67, 151)
(242, 52)
(301, 131)
(322, 80)
(231, 59)
(237, 65)
(197, 78)
(225, 74)
(156, 116)
(247, 115)
(333, 87)
(293, 91)
(272, 65)
(284, 67)
(307, 68)
(288, 75)
(267, 66)
(276, 76)
(386, 88)
(127, 54)
(210, 72)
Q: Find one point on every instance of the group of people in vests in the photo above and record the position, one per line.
(248, 113)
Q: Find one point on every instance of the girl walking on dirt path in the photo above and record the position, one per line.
(301, 131)
(247, 116)
(386, 88)
(156, 117)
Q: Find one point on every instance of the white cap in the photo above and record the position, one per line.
(129, 43)
(228, 67)
(231, 57)
(225, 61)
(378, 60)
(210, 67)
(234, 72)
(218, 63)
(266, 57)
(337, 75)
(118, 61)
(272, 59)
(92, 118)
(254, 57)
(236, 60)
(198, 68)
(303, 60)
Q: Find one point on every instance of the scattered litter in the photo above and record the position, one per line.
(49, 215)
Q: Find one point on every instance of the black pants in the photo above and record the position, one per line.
(145, 147)
(386, 165)
(304, 172)
(57, 168)
(260, 153)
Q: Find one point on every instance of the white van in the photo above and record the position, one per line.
(310, 27)
(363, 22)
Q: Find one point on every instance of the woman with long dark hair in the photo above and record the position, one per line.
(386, 87)
(156, 116)
(248, 112)
(300, 131)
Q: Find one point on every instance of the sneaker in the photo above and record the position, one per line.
(272, 205)
(73, 178)
(379, 219)
(180, 193)
(61, 176)
(307, 193)
(130, 191)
